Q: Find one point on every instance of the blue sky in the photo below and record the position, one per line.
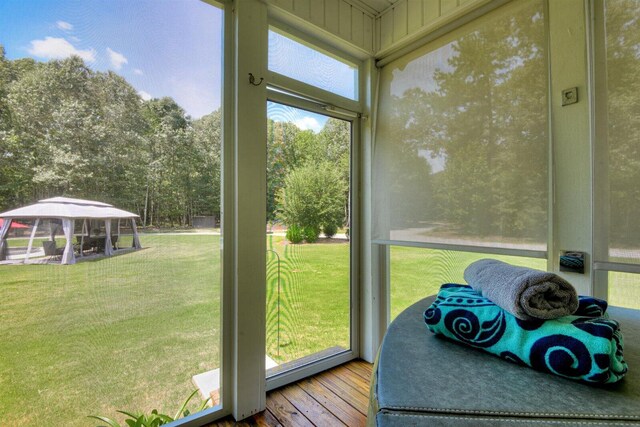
(162, 47)
(301, 118)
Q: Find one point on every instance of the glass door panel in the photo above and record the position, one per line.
(308, 247)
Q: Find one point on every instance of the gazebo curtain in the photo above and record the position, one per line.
(68, 257)
(108, 247)
(4, 230)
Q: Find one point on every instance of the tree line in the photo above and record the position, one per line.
(66, 129)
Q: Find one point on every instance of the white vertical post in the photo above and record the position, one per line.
(117, 244)
(136, 239)
(372, 283)
(84, 231)
(4, 230)
(249, 245)
(30, 245)
(601, 187)
(571, 131)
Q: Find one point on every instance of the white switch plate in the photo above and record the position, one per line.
(569, 96)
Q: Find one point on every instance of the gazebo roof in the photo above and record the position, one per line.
(65, 207)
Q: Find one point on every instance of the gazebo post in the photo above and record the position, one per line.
(118, 240)
(136, 240)
(84, 230)
(30, 245)
(52, 231)
(4, 230)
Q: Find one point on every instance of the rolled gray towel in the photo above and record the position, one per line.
(524, 292)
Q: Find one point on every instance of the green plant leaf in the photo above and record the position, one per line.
(204, 404)
(184, 405)
(109, 421)
(165, 418)
(130, 414)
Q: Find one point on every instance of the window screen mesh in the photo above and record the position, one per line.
(308, 65)
(419, 272)
(461, 152)
(622, 41)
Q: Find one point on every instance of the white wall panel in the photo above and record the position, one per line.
(386, 29)
(317, 11)
(357, 27)
(415, 12)
(400, 21)
(348, 21)
(368, 41)
(285, 4)
(447, 6)
(331, 14)
(430, 12)
(302, 8)
(345, 20)
(409, 17)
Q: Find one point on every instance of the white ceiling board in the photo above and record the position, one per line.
(377, 5)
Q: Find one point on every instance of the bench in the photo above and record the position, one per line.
(421, 379)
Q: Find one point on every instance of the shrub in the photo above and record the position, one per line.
(311, 233)
(313, 195)
(294, 234)
(330, 230)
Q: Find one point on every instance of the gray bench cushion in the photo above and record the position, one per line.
(421, 379)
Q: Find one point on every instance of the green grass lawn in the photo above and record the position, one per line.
(126, 332)
(129, 332)
(314, 298)
(417, 273)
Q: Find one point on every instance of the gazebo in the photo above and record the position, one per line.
(68, 210)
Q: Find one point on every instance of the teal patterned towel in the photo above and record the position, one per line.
(586, 346)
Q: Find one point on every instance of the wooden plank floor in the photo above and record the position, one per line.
(338, 397)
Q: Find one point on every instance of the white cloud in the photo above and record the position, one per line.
(117, 59)
(308, 123)
(137, 71)
(64, 25)
(144, 95)
(59, 48)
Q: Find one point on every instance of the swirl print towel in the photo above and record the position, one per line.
(526, 293)
(586, 346)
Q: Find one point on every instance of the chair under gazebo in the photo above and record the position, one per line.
(68, 211)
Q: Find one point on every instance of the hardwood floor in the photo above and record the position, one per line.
(336, 397)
